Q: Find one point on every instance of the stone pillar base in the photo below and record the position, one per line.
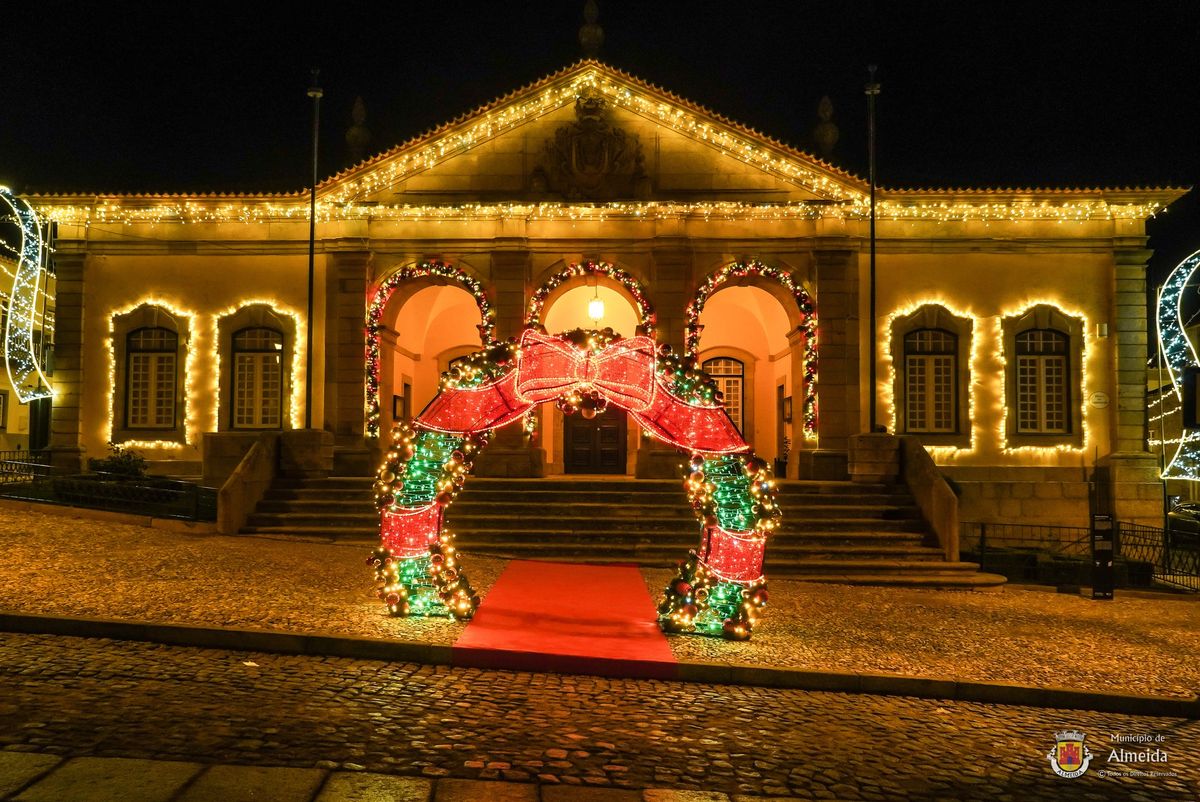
(656, 460)
(874, 458)
(67, 459)
(306, 453)
(510, 455)
(1135, 487)
(360, 460)
(822, 464)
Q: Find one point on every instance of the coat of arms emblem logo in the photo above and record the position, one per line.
(1070, 756)
(591, 158)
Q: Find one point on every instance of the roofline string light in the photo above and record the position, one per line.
(20, 357)
(1180, 354)
(101, 210)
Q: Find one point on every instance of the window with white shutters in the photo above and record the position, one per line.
(730, 378)
(152, 363)
(257, 379)
(1043, 382)
(930, 381)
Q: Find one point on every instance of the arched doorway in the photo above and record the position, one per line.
(591, 295)
(753, 329)
(421, 321)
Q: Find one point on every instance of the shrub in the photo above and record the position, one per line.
(120, 461)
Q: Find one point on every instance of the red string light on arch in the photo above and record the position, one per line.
(646, 317)
(378, 304)
(808, 323)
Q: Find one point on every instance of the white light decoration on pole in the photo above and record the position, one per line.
(20, 357)
(1180, 355)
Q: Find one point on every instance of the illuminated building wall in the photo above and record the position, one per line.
(491, 212)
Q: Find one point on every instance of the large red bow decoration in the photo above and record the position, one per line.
(624, 372)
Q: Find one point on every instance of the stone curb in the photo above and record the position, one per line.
(329, 645)
(166, 524)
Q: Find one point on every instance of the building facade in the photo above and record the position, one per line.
(1010, 335)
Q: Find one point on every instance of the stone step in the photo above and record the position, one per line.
(471, 506)
(600, 484)
(647, 522)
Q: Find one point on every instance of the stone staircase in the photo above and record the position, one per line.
(832, 531)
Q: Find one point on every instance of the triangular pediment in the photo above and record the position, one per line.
(591, 134)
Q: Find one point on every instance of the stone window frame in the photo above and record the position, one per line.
(148, 316)
(254, 316)
(1047, 317)
(935, 316)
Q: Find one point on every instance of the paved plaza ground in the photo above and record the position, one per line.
(85, 567)
(208, 724)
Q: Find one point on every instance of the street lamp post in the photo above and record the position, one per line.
(315, 92)
(872, 91)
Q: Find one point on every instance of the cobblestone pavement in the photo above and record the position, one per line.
(75, 697)
(59, 565)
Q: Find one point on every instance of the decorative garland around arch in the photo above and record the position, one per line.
(379, 302)
(718, 590)
(646, 317)
(808, 322)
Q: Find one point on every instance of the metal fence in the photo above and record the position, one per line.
(1175, 555)
(23, 466)
(1173, 558)
(159, 498)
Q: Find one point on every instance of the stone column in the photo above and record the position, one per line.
(509, 454)
(1132, 334)
(348, 277)
(672, 283)
(839, 394)
(66, 425)
(1135, 488)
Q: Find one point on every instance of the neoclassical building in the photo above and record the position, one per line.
(1010, 335)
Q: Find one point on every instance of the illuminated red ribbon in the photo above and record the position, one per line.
(732, 556)
(624, 373)
(410, 531)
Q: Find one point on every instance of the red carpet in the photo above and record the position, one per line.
(579, 619)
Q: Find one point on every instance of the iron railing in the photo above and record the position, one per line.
(1056, 540)
(23, 466)
(1173, 557)
(157, 498)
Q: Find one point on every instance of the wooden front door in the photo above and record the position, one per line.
(596, 445)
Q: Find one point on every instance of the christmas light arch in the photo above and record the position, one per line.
(629, 282)
(1180, 356)
(379, 302)
(718, 590)
(808, 323)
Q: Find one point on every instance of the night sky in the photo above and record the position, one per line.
(178, 97)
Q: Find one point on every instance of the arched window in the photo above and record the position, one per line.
(930, 384)
(1043, 382)
(730, 377)
(151, 369)
(257, 378)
